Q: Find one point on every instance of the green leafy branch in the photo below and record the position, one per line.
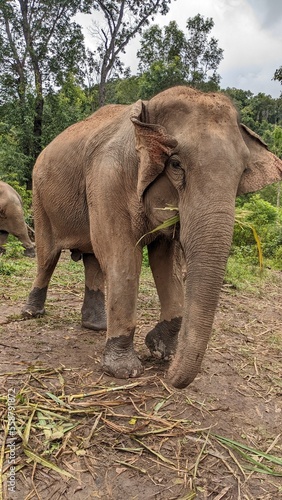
(240, 219)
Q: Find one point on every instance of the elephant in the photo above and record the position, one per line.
(103, 183)
(12, 219)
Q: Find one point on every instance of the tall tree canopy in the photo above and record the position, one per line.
(123, 19)
(278, 75)
(39, 45)
(169, 56)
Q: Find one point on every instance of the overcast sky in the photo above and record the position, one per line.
(249, 32)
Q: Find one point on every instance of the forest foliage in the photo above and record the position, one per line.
(49, 80)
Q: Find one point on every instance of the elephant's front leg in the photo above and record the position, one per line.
(120, 359)
(165, 258)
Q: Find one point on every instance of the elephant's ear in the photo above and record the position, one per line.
(154, 146)
(263, 166)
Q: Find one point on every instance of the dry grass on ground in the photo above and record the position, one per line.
(81, 434)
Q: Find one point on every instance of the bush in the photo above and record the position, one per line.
(277, 260)
(266, 220)
(145, 259)
(13, 262)
(14, 248)
(240, 274)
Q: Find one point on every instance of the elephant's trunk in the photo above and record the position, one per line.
(206, 241)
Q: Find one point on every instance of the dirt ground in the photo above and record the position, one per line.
(141, 438)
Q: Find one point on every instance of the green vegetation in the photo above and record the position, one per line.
(45, 86)
(171, 57)
(13, 263)
(267, 218)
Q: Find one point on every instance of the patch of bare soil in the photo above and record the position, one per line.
(141, 438)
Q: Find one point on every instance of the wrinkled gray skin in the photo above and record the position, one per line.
(98, 188)
(12, 219)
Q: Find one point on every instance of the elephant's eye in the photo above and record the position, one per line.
(176, 172)
(175, 163)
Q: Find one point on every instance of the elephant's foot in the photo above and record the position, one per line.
(34, 307)
(93, 310)
(119, 361)
(94, 324)
(162, 340)
(29, 252)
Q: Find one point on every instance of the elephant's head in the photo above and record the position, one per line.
(196, 140)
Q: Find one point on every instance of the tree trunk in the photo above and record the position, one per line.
(102, 85)
(38, 117)
(36, 145)
(102, 93)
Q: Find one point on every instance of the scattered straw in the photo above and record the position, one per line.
(131, 422)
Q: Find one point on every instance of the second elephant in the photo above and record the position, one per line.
(12, 219)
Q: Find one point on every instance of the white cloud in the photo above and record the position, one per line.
(249, 32)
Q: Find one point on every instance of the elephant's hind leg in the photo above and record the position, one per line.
(93, 308)
(46, 263)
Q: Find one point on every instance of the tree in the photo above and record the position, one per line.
(241, 98)
(169, 56)
(64, 107)
(123, 90)
(273, 138)
(160, 76)
(278, 74)
(123, 19)
(39, 44)
(161, 45)
(202, 54)
(263, 114)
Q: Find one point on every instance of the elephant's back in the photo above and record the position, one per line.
(59, 186)
(80, 132)
(67, 151)
(9, 195)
